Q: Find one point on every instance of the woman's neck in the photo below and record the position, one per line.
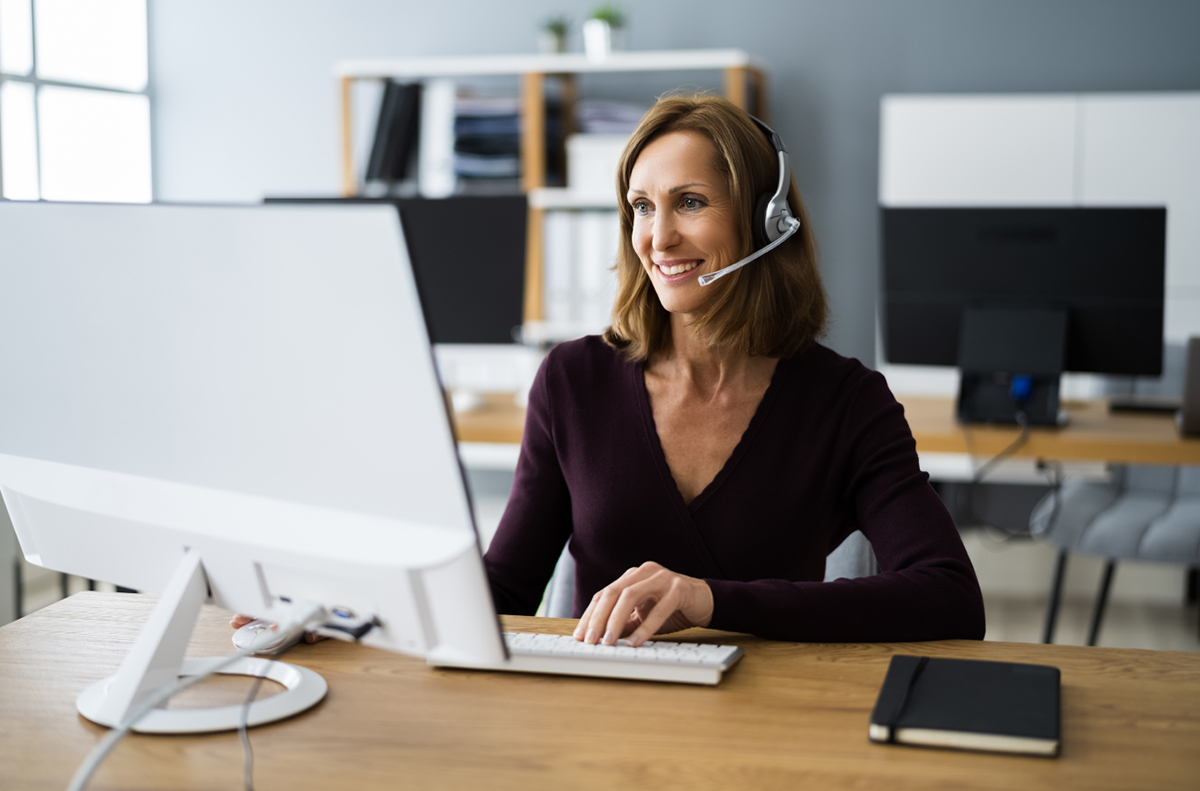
(707, 369)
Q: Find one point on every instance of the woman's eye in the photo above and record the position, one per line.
(692, 203)
(641, 207)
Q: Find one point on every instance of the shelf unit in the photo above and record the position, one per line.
(744, 85)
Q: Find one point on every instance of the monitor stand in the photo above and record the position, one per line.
(1000, 397)
(1011, 361)
(157, 661)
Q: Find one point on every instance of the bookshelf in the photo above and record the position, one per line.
(744, 85)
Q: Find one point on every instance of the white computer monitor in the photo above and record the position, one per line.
(235, 405)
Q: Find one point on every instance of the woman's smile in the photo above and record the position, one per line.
(677, 267)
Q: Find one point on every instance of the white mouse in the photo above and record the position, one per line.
(262, 637)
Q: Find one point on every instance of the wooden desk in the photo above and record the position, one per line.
(497, 420)
(788, 716)
(1094, 434)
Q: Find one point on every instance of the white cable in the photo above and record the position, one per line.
(247, 750)
(309, 614)
(713, 276)
(84, 773)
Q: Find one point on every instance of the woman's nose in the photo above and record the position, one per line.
(666, 232)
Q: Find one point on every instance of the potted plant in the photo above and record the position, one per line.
(554, 34)
(601, 31)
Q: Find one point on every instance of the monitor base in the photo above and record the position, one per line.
(156, 662)
(305, 689)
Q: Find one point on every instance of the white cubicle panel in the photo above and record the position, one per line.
(1144, 149)
(1050, 150)
(971, 150)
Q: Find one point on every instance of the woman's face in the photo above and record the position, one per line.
(684, 224)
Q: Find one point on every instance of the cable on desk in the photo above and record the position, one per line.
(93, 760)
(1056, 481)
(356, 632)
(987, 468)
(84, 773)
(247, 750)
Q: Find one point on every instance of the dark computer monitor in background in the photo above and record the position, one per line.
(468, 257)
(1016, 296)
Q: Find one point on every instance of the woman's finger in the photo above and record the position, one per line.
(644, 605)
(580, 632)
(591, 627)
(667, 606)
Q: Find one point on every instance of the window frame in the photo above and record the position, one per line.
(38, 83)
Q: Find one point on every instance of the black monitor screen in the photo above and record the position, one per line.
(1104, 266)
(468, 257)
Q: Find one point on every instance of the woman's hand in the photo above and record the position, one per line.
(645, 601)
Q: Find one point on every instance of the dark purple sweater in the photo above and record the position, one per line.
(827, 452)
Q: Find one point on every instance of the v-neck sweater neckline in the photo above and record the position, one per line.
(654, 443)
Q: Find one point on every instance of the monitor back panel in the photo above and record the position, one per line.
(1104, 266)
(276, 351)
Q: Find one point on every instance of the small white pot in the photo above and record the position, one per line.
(600, 39)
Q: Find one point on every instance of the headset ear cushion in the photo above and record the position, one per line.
(758, 223)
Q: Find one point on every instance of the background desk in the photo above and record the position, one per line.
(1094, 433)
(787, 716)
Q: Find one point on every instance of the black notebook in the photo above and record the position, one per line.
(968, 704)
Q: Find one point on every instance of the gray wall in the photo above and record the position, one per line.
(246, 104)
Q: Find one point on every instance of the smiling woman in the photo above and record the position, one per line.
(705, 455)
(728, 169)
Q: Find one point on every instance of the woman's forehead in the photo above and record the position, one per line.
(676, 159)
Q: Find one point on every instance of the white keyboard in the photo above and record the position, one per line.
(654, 660)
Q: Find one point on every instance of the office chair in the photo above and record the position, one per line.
(1145, 512)
(853, 558)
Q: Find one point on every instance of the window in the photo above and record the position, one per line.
(74, 101)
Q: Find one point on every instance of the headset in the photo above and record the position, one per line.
(773, 222)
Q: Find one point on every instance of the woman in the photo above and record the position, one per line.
(706, 453)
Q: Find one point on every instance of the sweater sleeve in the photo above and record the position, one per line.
(926, 587)
(537, 520)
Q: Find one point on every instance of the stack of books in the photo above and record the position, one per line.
(487, 144)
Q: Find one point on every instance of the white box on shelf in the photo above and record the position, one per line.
(592, 162)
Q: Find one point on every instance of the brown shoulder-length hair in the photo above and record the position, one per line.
(773, 307)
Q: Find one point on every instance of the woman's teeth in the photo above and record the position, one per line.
(678, 269)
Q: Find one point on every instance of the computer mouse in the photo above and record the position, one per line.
(261, 637)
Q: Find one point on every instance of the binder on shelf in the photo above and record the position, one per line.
(597, 245)
(558, 264)
(969, 704)
(395, 132)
